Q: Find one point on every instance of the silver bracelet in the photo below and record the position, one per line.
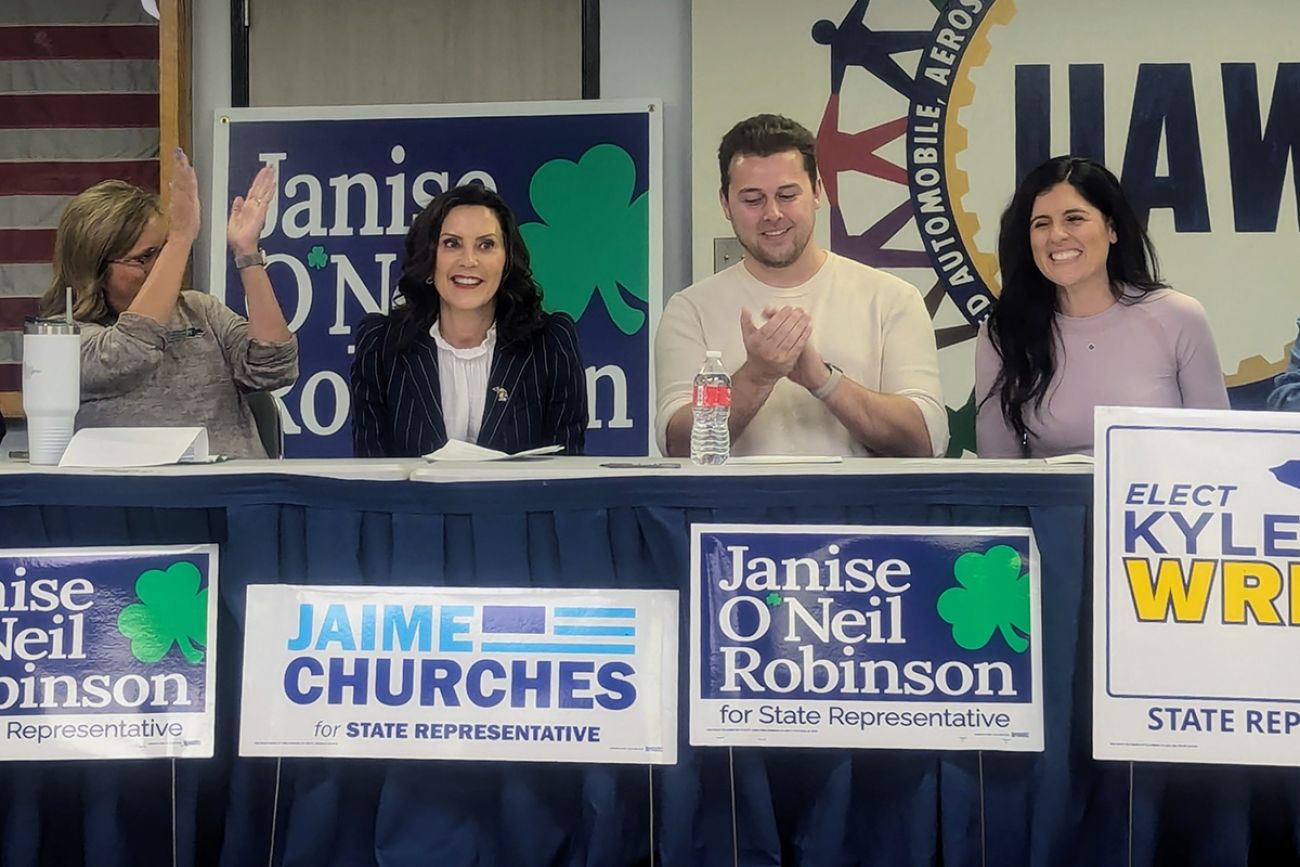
(829, 386)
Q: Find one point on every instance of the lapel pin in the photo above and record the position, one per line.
(502, 394)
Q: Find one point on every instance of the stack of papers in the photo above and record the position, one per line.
(456, 450)
(108, 447)
(1070, 459)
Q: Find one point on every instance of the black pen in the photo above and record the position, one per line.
(631, 465)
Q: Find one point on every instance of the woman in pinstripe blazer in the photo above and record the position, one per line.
(467, 353)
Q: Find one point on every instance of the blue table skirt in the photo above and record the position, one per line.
(797, 807)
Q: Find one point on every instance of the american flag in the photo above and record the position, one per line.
(78, 104)
(513, 629)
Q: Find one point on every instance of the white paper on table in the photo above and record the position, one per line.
(761, 460)
(457, 450)
(1070, 459)
(105, 447)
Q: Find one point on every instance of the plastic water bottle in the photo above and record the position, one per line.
(710, 408)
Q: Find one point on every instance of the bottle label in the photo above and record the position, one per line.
(709, 396)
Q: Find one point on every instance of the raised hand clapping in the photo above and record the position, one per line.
(248, 213)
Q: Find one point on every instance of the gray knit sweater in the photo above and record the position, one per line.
(191, 372)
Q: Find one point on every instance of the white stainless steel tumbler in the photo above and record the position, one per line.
(51, 385)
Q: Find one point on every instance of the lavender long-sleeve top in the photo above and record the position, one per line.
(1156, 352)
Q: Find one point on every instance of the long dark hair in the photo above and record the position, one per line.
(519, 299)
(1022, 324)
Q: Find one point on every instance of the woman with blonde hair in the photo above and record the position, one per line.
(152, 354)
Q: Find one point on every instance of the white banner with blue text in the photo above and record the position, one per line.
(1196, 586)
(865, 636)
(108, 653)
(501, 674)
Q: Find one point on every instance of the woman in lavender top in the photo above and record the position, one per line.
(1083, 320)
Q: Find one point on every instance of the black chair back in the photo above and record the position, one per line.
(266, 415)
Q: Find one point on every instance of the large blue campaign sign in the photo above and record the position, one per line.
(828, 636)
(107, 653)
(582, 177)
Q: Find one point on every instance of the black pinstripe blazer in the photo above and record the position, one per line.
(397, 399)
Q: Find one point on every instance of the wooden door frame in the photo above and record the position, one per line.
(175, 106)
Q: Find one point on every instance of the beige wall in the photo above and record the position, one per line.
(742, 65)
(305, 52)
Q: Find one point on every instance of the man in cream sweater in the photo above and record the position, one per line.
(827, 356)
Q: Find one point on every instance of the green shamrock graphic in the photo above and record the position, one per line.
(961, 428)
(172, 610)
(316, 258)
(592, 236)
(773, 599)
(993, 595)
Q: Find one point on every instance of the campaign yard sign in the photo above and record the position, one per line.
(582, 177)
(450, 673)
(107, 653)
(1196, 587)
(864, 636)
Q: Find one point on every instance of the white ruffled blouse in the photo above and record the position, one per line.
(463, 377)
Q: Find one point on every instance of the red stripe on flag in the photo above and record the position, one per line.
(11, 377)
(70, 178)
(80, 42)
(26, 245)
(77, 110)
(12, 311)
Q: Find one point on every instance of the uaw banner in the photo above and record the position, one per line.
(928, 113)
(107, 653)
(582, 178)
(861, 636)
(1196, 589)
(448, 673)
